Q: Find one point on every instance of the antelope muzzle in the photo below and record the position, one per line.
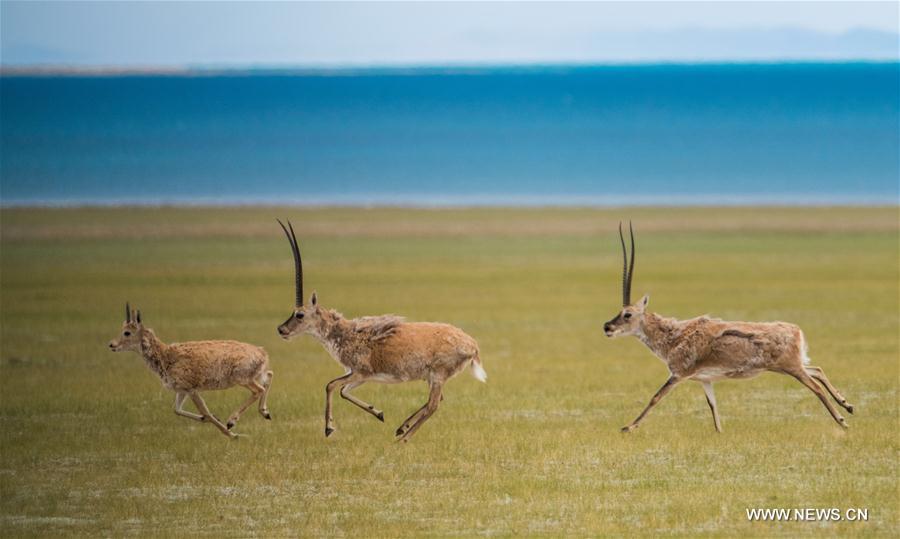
(609, 328)
(284, 331)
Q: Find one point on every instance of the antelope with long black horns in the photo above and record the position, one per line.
(383, 349)
(707, 349)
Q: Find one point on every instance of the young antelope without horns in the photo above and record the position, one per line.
(707, 349)
(383, 349)
(190, 367)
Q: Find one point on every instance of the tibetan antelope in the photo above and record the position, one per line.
(190, 367)
(707, 349)
(383, 349)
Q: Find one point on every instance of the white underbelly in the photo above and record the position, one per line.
(712, 374)
(384, 378)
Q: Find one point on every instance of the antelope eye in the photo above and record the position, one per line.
(626, 316)
(128, 334)
(298, 316)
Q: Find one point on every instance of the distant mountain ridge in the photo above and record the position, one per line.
(585, 47)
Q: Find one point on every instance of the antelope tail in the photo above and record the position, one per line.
(478, 369)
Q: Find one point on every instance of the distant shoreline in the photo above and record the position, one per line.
(399, 69)
(491, 201)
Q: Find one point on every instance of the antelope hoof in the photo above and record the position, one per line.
(400, 430)
(267, 415)
(629, 428)
(380, 416)
(229, 425)
(328, 431)
(202, 418)
(850, 408)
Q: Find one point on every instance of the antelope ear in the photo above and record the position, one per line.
(313, 300)
(645, 300)
(138, 317)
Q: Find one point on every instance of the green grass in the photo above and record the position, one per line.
(91, 447)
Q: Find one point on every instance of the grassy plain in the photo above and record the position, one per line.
(91, 447)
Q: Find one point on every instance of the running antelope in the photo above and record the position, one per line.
(708, 349)
(383, 349)
(190, 367)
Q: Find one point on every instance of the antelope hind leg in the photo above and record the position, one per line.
(819, 374)
(410, 420)
(434, 399)
(811, 384)
(263, 400)
(256, 392)
(711, 400)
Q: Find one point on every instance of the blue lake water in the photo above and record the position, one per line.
(654, 134)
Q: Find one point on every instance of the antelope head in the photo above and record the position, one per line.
(130, 338)
(628, 321)
(304, 317)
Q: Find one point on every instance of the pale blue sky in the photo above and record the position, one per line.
(132, 34)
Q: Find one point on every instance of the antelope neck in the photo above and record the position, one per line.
(153, 350)
(331, 331)
(656, 332)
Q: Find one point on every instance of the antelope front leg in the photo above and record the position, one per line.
(179, 404)
(434, 399)
(345, 393)
(201, 405)
(711, 400)
(329, 391)
(670, 383)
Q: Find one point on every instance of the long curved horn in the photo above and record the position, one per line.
(298, 264)
(631, 265)
(626, 290)
(298, 274)
(127, 312)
